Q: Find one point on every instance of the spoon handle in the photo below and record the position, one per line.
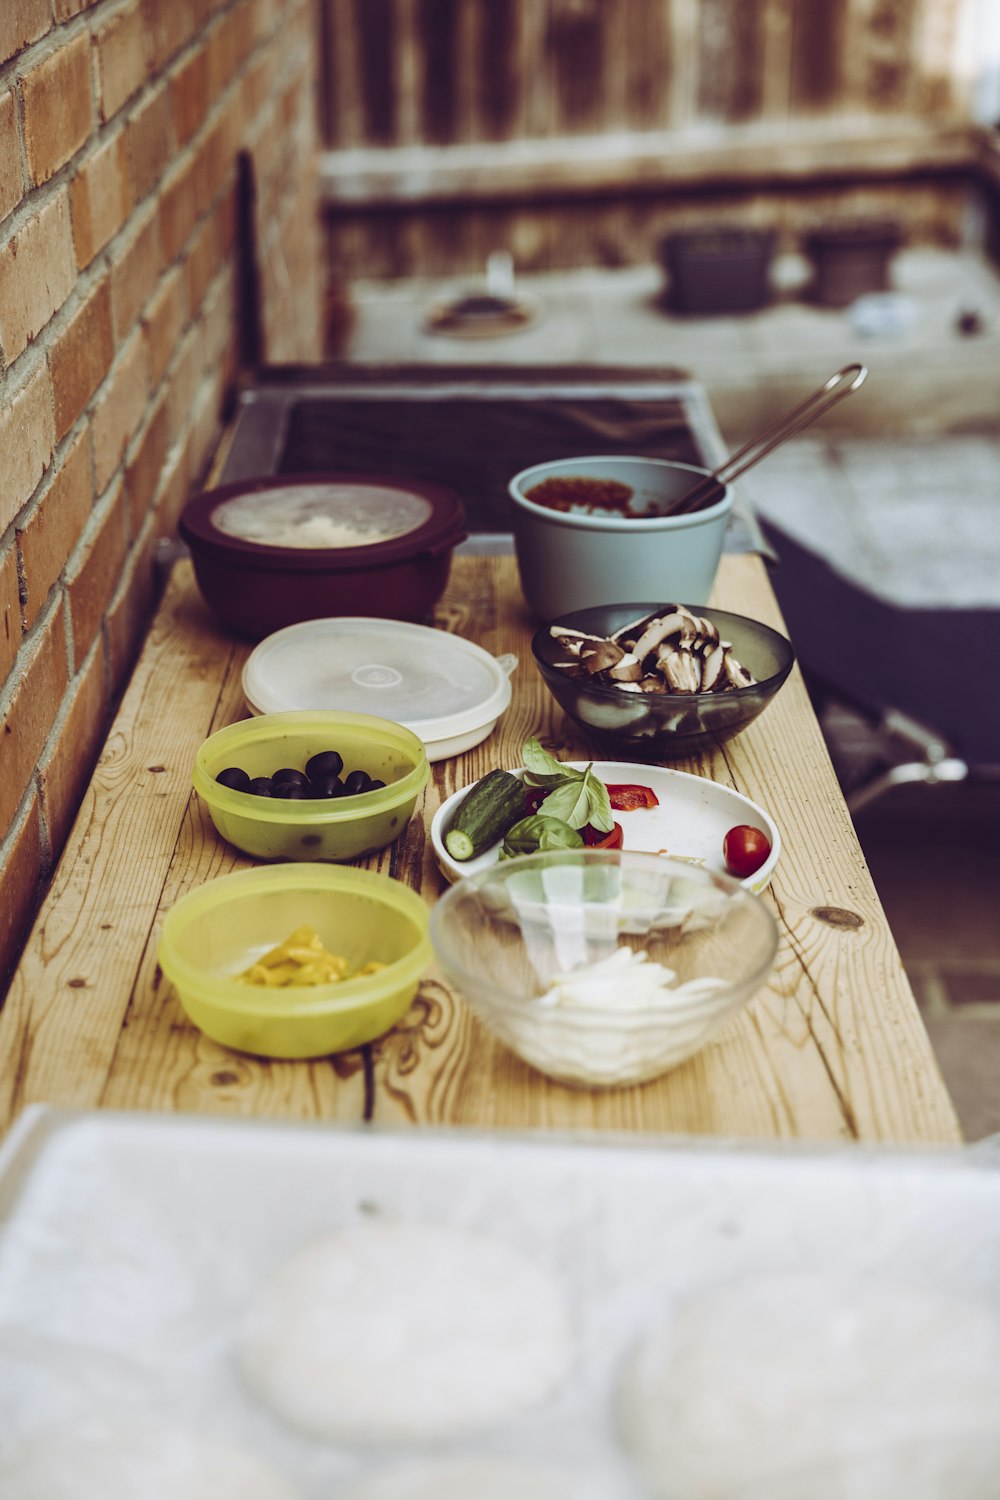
(829, 393)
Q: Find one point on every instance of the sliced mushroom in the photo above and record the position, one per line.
(627, 635)
(600, 656)
(657, 631)
(677, 651)
(736, 674)
(563, 632)
(711, 667)
(680, 669)
(629, 669)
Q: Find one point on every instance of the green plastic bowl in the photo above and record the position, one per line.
(339, 828)
(215, 932)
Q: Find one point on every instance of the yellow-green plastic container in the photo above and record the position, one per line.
(339, 828)
(215, 932)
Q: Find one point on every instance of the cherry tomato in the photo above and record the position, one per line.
(626, 797)
(745, 849)
(594, 838)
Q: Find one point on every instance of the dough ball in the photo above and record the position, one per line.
(387, 1332)
(135, 1461)
(483, 1479)
(862, 1386)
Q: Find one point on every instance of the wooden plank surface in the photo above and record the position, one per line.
(833, 1049)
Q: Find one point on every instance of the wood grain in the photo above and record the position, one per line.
(833, 1049)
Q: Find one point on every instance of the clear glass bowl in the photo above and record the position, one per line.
(664, 726)
(506, 938)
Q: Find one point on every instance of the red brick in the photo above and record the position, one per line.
(65, 10)
(182, 385)
(163, 323)
(101, 199)
(219, 335)
(55, 527)
(37, 274)
(189, 94)
(144, 467)
(81, 357)
(173, 493)
(121, 58)
(168, 27)
(215, 159)
(150, 136)
(10, 614)
(204, 436)
(20, 888)
(91, 585)
(58, 109)
(71, 756)
(202, 262)
(134, 275)
(119, 409)
(26, 441)
(266, 15)
(178, 212)
(223, 54)
(21, 22)
(130, 611)
(11, 181)
(32, 712)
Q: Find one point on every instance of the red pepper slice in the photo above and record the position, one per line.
(627, 796)
(594, 838)
(534, 796)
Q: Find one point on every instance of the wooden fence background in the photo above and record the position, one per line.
(471, 104)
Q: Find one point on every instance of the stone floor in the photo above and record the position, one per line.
(899, 486)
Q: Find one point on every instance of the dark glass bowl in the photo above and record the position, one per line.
(664, 726)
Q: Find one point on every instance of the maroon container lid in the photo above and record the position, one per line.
(310, 523)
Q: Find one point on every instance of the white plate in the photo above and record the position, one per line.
(693, 817)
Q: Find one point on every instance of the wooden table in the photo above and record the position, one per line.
(833, 1049)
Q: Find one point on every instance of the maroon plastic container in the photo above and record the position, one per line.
(273, 551)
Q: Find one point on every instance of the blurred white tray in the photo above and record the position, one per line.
(130, 1246)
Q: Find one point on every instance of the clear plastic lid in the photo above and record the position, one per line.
(438, 685)
(337, 514)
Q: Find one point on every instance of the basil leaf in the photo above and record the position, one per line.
(582, 802)
(542, 769)
(538, 833)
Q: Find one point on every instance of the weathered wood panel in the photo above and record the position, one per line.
(443, 72)
(456, 126)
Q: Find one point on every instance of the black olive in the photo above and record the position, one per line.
(375, 785)
(260, 786)
(356, 782)
(235, 778)
(324, 763)
(287, 774)
(289, 791)
(325, 786)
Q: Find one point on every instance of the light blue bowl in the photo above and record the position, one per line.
(570, 560)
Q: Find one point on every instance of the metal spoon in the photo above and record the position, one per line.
(835, 389)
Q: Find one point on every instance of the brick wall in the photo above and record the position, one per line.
(121, 128)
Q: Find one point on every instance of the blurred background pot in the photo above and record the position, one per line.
(718, 270)
(583, 556)
(851, 260)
